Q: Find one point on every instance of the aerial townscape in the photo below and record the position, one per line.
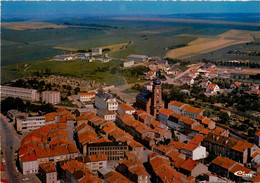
(104, 92)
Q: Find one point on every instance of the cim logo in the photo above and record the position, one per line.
(243, 174)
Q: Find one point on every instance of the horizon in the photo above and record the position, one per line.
(22, 9)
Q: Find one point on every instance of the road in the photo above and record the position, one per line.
(9, 140)
(178, 76)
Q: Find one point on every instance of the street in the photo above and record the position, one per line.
(10, 142)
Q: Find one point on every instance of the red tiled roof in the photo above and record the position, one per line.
(125, 107)
(206, 121)
(91, 93)
(197, 139)
(175, 103)
(166, 111)
(189, 165)
(240, 168)
(223, 162)
(257, 134)
(237, 83)
(191, 109)
(29, 156)
(190, 147)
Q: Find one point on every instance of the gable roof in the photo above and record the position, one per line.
(224, 162)
(189, 164)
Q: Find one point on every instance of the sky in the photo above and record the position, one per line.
(68, 8)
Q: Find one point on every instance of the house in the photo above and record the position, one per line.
(222, 166)
(255, 87)
(106, 114)
(194, 151)
(191, 112)
(150, 75)
(187, 80)
(164, 115)
(28, 162)
(229, 147)
(143, 116)
(257, 138)
(193, 168)
(128, 64)
(133, 169)
(94, 162)
(205, 83)
(111, 176)
(208, 123)
(212, 88)
(176, 106)
(87, 97)
(96, 51)
(171, 71)
(137, 57)
(235, 85)
(123, 108)
(208, 66)
(48, 172)
(63, 58)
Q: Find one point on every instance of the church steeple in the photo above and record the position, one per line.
(157, 103)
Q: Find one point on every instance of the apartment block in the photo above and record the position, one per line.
(23, 93)
(52, 97)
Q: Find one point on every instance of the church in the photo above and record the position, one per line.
(151, 101)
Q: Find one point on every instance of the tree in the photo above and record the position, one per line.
(224, 118)
(76, 90)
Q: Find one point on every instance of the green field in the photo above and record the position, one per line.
(150, 38)
(100, 72)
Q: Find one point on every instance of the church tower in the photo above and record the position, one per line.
(156, 104)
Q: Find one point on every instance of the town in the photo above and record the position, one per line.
(103, 138)
(134, 91)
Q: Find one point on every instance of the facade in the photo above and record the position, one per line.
(123, 108)
(176, 106)
(128, 64)
(105, 100)
(23, 93)
(52, 97)
(113, 150)
(137, 57)
(194, 152)
(164, 115)
(28, 164)
(26, 124)
(87, 97)
(94, 162)
(48, 173)
(106, 114)
(234, 149)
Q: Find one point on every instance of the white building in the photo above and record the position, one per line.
(104, 100)
(106, 114)
(28, 164)
(194, 151)
(128, 64)
(123, 108)
(137, 57)
(86, 97)
(48, 172)
(94, 162)
(212, 88)
(26, 124)
(23, 93)
(52, 97)
(63, 58)
(97, 51)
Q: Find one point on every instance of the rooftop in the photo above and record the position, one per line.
(224, 162)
